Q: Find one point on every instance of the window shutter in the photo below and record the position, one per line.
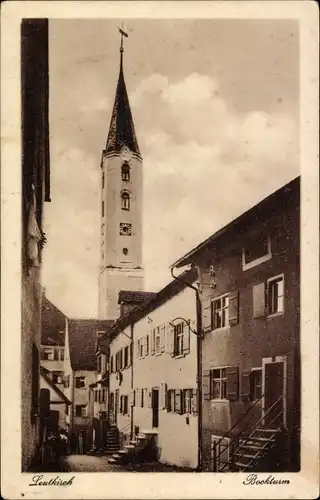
(258, 300)
(163, 395)
(206, 385)
(149, 399)
(171, 336)
(163, 338)
(186, 339)
(131, 400)
(233, 383)
(153, 341)
(207, 317)
(234, 308)
(245, 386)
(194, 402)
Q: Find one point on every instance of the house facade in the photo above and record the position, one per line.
(59, 403)
(153, 374)
(250, 292)
(52, 341)
(35, 191)
(79, 375)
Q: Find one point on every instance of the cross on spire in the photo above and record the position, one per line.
(122, 34)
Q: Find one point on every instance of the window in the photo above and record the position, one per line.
(178, 401)
(275, 295)
(220, 312)
(125, 200)
(57, 377)
(80, 382)
(48, 354)
(125, 405)
(178, 339)
(111, 364)
(102, 180)
(147, 345)
(125, 172)
(257, 249)
(67, 381)
(170, 400)
(62, 354)
(126, 356)
(96, 396)
(99, 364)
(102, 209)
(142, 398)
(187, 400)
(140, 348)
(255, 384)
(218, 383)
(81, 410)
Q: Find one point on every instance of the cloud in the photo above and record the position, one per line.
(204, 164)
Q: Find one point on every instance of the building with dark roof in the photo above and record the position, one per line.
(249, 275)
(80, 366)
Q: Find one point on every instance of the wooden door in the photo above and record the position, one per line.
(274, 386)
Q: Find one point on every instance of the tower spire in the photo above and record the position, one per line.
(121, 131)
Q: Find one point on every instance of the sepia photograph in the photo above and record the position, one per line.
(161, 180)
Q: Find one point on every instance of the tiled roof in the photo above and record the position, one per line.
(83, 341)
(121, 130)
(46, 375)
(136, 297)
(53, 324)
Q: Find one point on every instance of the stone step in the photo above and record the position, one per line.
(112, 460)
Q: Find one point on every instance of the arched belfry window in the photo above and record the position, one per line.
(125, 200)
(125, 172)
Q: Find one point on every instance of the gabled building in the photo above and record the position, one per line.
(52, 340)
(249, 274)
(80, 372)
(35, 191)
(59, 403)
(153, 378)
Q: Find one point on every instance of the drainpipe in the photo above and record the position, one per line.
(199, 364)
(131, 359)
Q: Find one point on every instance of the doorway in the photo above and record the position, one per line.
(155, 407)
(274, 390)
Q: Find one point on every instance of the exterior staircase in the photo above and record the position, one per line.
(256, 447)
(112, 440)
(140, 449)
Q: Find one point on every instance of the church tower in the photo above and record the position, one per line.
(121, 206)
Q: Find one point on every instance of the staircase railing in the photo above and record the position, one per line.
(236, 439)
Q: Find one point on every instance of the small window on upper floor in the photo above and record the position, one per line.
(102, 180)
(125, 172)
(125, 200)
(275, 295)
(257, 249)
(80, 382)
(220, 312)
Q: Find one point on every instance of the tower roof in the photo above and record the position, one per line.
(121, 131)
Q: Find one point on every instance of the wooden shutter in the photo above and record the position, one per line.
(245, 386)
(149, 399)
(178, 394)
(234, 308)
(163, 338)
(186, 339)
(153, 341)
(194, 402)
(146, 345)
(131, 400)
(207, 316)
(233, 383)
(171, 336)
(259, 305)
(163, 396)
(206, 385)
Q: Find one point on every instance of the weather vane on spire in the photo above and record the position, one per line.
(122, 33)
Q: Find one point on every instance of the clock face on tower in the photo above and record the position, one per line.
(126, 153)
(125, 229)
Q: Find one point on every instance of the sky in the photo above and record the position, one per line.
(216, 110)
